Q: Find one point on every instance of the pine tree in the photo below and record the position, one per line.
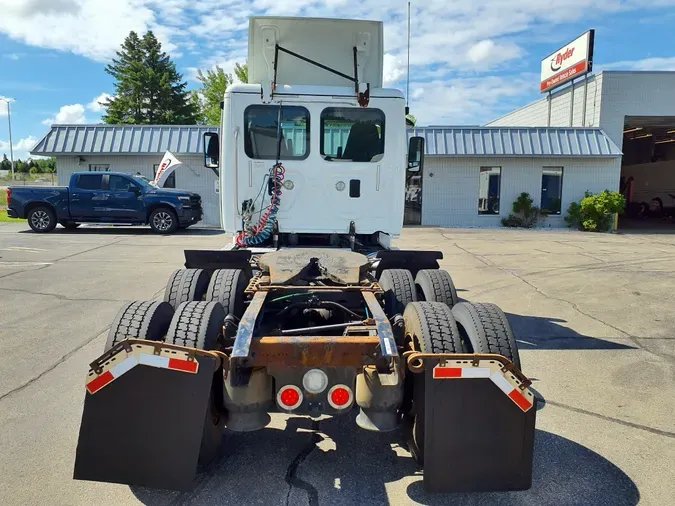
(148, 88)
(5, 164)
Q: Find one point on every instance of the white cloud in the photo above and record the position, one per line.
(68, 115)
(394, 69)
(486, 53)
(96, 106)
(12, 56)
(21, 147)
(3, 105)
(656, 63)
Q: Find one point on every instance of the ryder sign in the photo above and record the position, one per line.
(572, 61)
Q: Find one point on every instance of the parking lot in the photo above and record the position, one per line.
(594, 315)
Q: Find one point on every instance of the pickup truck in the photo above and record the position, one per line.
(104, 197)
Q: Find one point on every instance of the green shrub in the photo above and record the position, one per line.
(525, 214)
(595, 212)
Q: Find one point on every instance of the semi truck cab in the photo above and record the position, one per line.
(340, 148)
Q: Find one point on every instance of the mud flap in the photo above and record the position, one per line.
(145, 427)
(479, 428)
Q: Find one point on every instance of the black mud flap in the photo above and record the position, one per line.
(477, 437)
(145, 427)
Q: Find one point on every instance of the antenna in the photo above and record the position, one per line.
(407, 91)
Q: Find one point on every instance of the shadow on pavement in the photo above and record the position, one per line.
(342, 464)
(546, 333)
(126, 230)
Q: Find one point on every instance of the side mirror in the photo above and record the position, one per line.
(134, 189)
(415, 154)
(211, 150)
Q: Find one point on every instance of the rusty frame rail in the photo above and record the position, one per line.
(416, 362)
(314, 351)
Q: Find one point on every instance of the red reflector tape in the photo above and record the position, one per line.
(447, 372)
(520, 400)
(96, 385)
(183, 365)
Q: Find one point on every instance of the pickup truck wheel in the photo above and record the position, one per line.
(70, 225)
(41, 219)
(140, 320)
(199, 325)
(431, 327)
(163, 221)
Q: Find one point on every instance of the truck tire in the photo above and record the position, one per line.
(41, 219)
(399, 288)
(70, 225)
(435, 285)
(227, 287)
(432, 329)
(186, 285)
(163, 220)
(485, 329)
(140, 320)
(199, 325)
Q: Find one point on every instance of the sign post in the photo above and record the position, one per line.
(568, 63)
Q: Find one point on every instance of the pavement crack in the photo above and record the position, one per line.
(54, 365)
(633, 425)
(58, 296)
(291, 477)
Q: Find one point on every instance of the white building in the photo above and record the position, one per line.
(472, 176)
(637, 111)
(132, 149)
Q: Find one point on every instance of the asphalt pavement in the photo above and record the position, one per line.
(593, 315)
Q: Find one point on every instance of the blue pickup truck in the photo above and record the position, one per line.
(104, 197)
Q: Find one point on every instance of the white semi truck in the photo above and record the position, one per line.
(310, 310)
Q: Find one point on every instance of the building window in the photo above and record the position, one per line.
(260, 132)
(353, 135)
(489, 186)
(551, 189)
(99, 167)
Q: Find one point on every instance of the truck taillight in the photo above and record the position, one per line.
(9, 196)
(340, 396)
(289, 397)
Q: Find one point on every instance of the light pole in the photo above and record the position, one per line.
(11, 148)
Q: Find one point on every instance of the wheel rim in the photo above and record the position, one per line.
(162, 221)
(40, 220)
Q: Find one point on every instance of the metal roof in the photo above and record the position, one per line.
(121, 140)
(516, 142)
(439, 141)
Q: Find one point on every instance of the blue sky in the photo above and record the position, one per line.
(470, 61)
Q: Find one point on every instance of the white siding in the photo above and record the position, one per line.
(536, 113)
(635, 94)
(450, 195)
(191, 176)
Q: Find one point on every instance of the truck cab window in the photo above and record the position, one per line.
(354, 135)
(120, 184)
(260, 132)
(90, 181)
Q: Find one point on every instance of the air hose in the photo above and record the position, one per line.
(258, 234)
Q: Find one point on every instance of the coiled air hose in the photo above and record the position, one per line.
(259, 233)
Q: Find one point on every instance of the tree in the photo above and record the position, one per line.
(5, 164)
(20, 166)
(214, 84)
(148, 89)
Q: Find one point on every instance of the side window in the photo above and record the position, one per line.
(551, 189)
(489, 186)
(99, 167)
(120, 184)
(170, 181)
(353, 135)
(260, 132)
(90, 181)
